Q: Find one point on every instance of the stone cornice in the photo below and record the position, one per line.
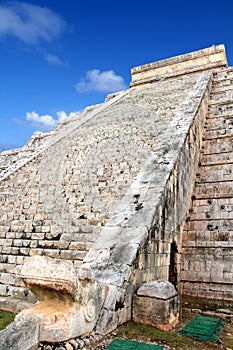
(198, 61)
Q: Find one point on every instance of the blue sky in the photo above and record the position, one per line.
(58, 56)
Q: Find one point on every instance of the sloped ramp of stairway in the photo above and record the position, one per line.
(203, 328)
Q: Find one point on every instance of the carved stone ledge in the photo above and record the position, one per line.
(198, 61)
(69, 299)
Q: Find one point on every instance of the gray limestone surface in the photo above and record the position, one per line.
(157, 289)
(57, 202)
(22, 334)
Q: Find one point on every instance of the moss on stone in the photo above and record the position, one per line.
(5, 319)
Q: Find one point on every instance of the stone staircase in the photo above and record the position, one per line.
(208, 233)
(56, 200)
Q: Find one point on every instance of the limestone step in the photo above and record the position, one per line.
(223, 89)
(217, 145)
(213, 190)
(213, 209)
(219, 123)
(216, 115)
(14, 305)
(218, 133)
(210, 245)
(223, 74)
(210, 225)
(216, 159)
(221, 108)
(207, 236)
(222, 94)
(218, 83)
(215, 173)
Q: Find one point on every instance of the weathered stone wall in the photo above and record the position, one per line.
(207, 254)
(57, 203)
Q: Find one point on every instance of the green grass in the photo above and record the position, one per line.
(5, 319)
(135, 331)
(144, 333)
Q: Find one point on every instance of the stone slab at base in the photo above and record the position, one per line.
(156, 304)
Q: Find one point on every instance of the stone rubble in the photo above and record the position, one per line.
(90, 342)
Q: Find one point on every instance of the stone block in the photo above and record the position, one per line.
(70, 300)
(49, 273)
(22, 334)
(156, 304)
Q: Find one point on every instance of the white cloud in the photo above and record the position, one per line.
(106, 81)
(47, 122)
(29, 23)
(53, 59)
(62, 115)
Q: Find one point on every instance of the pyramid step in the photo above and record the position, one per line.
(221, 109)
(219, 133)
(218, 82)
(213, 190)
(210, 225)
(221, 101)
(207, 236)
(222, 75)
(221, 97)
(212, 209)
(215, 115)
(219, 123)
(216, 159)
(201, 244)
(218, 145)
(215, 173)
(221, 88)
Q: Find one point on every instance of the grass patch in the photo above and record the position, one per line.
(5, 319)
(135, 331)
